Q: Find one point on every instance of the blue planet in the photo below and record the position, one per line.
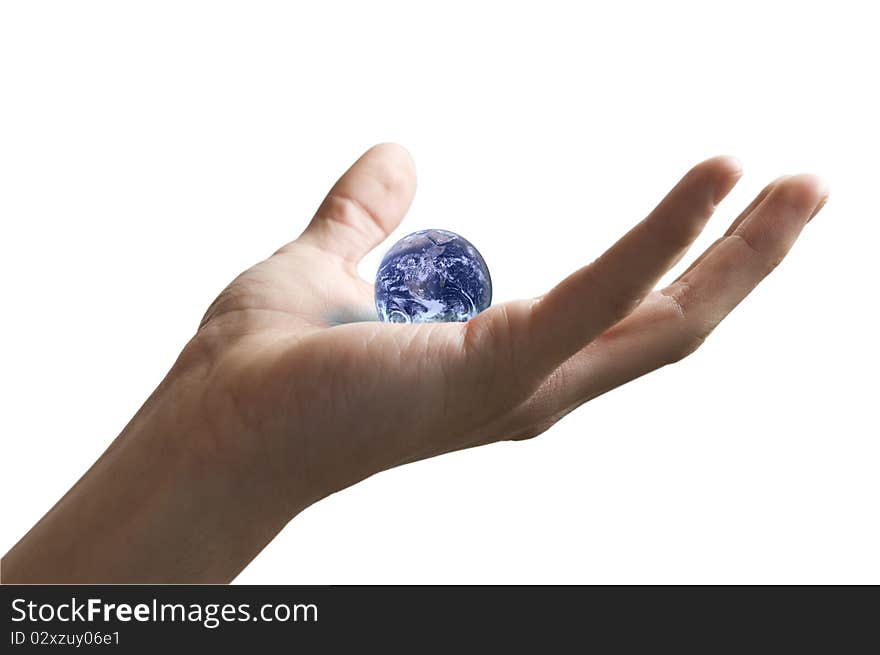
(432, 276)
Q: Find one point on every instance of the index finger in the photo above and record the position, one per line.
(540, 334)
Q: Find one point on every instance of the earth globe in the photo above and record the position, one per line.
(432, 276)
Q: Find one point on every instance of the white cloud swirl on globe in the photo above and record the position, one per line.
(432, 276)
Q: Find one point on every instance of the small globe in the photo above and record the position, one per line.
(432, 276)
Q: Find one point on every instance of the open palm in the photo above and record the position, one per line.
(305, 379)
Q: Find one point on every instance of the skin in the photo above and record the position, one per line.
(290, 390)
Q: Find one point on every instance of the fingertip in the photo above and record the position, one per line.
(728, 165)
(721, 165)
(399, 161)
(392, 148)
(805, 189)
(825, 192)
(720, 173)
(818, 208)
(817, 184)
(729, 170)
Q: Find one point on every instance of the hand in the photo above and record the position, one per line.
(292, 390)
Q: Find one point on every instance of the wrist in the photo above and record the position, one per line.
(169, 501)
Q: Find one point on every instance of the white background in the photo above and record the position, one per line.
(150, 151)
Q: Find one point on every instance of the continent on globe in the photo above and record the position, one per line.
(432, 276)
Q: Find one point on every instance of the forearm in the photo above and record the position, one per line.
(160, 505)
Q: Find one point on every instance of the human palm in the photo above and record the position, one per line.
(303, 378)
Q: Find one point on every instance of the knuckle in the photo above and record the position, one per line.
(678, 299)
(492, 343)
(533, 430)
(687, 344)
(690, 332)
(767, 261)
(347, 210)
